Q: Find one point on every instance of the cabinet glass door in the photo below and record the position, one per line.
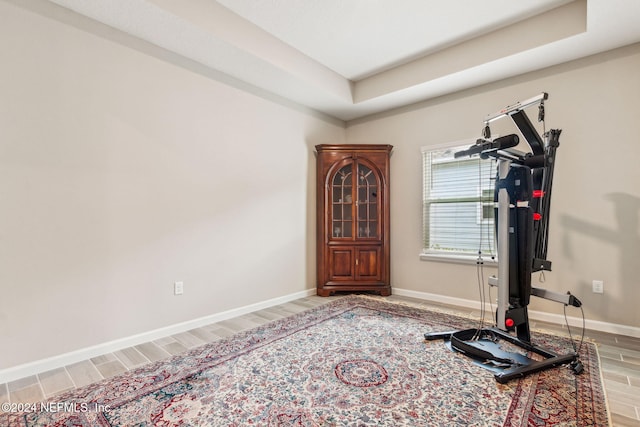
(342, 202)
(367, 204)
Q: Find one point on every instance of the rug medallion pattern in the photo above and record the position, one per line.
(356, 361)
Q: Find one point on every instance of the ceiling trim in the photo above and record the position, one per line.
(206, 36)
(559, 23)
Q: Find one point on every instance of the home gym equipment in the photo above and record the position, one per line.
(523, 194)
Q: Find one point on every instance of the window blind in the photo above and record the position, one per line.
(458, 202)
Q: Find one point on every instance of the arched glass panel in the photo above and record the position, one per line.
(342, 203)
(367, 206)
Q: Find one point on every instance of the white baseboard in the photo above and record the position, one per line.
(558, 319)
(43, 365)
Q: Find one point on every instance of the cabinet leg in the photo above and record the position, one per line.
(323, 293)
(385, 292)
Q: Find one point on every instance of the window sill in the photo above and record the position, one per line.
(458, 259)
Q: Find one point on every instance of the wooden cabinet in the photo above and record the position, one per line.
(353, 218)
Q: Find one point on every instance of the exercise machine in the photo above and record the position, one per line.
(523, 194)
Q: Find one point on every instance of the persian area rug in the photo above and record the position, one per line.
(356, 361)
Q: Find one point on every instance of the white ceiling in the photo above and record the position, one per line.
(359, 38)
(352, 58)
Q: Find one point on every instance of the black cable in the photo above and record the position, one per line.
(480, 278)
(566, 321)
(576, 365)
(575, 386)
(480, 263)
(480, 282)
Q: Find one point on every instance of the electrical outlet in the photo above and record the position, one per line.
(598, 286)
(178, 288)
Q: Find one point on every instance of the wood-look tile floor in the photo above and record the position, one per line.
(619, 355)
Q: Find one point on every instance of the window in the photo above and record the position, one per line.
(458, 203)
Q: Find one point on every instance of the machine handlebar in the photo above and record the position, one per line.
(484, 146)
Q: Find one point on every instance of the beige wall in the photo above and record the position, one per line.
(121, 173)
(594, 225)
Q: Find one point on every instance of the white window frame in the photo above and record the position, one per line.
(483, 223)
